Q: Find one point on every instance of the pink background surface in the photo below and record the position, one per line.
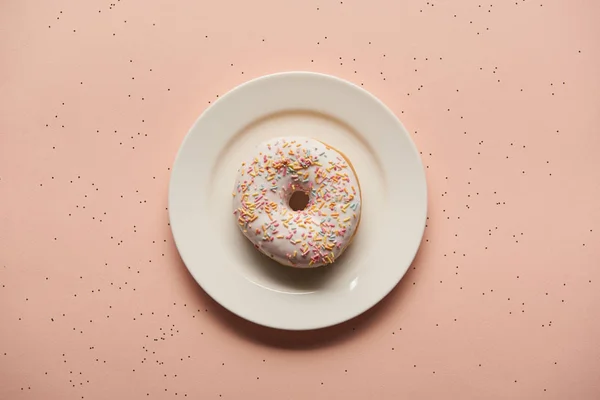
(501, 97)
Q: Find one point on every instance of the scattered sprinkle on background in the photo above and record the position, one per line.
(502, 99)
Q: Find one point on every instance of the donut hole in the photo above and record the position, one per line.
(298, 201)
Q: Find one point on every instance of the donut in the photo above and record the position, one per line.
(298, 201)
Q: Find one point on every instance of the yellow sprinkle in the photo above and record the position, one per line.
(295, 253)
(233, 194)
(299, 144)
(279, 236)
(317, 163)
(346, 219)
(285, 144)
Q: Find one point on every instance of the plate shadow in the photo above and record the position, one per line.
(310, 339)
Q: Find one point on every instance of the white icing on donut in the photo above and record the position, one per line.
(314, 236)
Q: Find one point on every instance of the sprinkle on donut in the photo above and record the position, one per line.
(319, 232)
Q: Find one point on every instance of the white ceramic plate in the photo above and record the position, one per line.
(336, 112)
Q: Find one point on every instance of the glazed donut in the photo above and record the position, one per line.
(298, 201)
